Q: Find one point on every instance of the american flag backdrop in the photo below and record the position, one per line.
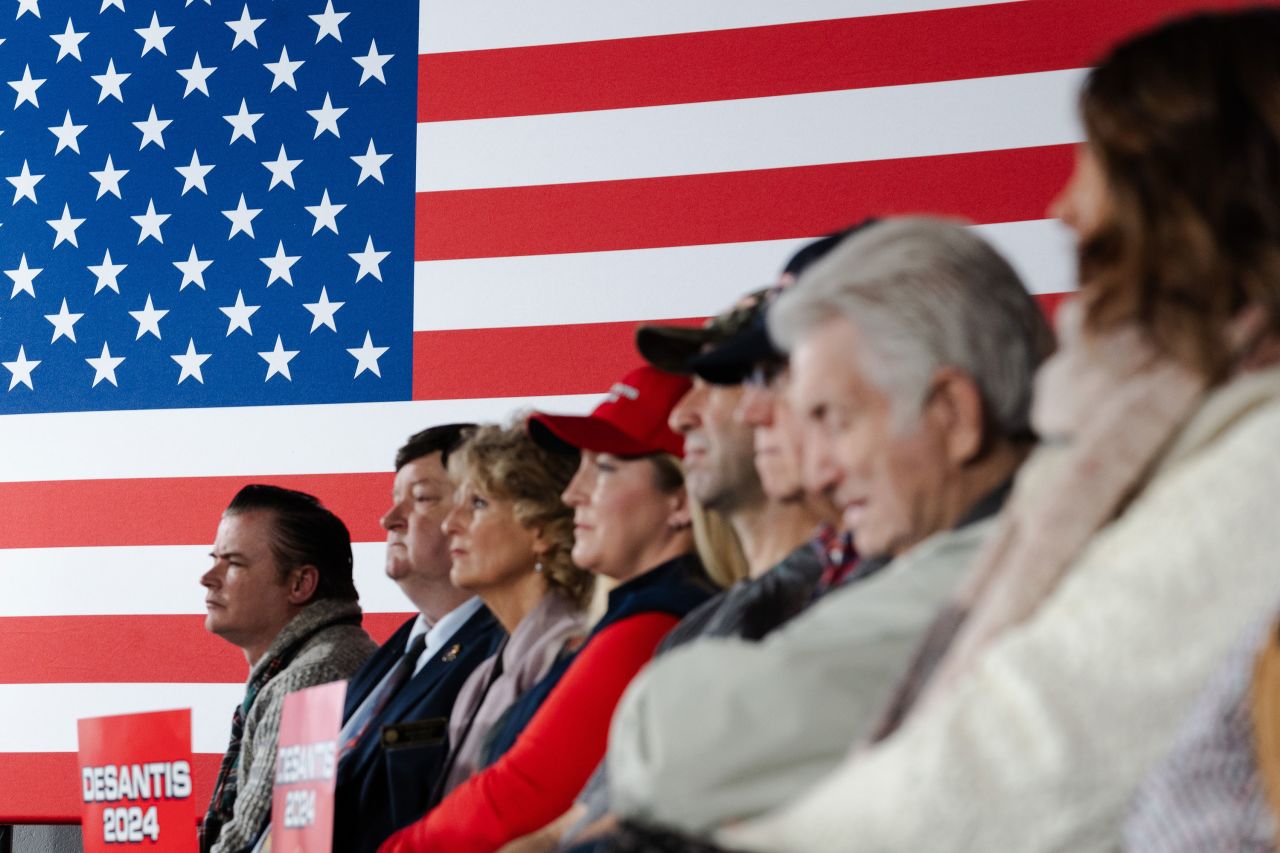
(268, 240)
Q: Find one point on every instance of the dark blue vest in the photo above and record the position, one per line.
(675, 587)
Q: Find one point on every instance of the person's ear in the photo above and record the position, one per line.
(680, 514)
(955, 406)
(303, 583)
(542, 543)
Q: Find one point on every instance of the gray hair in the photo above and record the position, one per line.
(926, 293)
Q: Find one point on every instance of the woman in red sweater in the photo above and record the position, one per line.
(631, 524)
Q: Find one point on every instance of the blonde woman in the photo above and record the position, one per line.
(510, 537)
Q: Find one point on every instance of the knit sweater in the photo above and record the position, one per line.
(332, 653)
(1041, 747)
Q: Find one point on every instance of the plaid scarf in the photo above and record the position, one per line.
(222, 804)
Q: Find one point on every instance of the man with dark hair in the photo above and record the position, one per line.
(398, 705)
(280, 589)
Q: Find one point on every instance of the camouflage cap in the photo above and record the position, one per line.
(671, 348)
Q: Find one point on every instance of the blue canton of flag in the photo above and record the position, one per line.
(212, 204)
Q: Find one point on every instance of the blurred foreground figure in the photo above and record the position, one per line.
(1141, 537)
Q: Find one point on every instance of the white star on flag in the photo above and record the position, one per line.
(371, 63)
(64, 323)
(190, 362)
(26, 89)
(326, 214)
(24, 184)
(242, 123)
(104, 366)
(242, 218)
(153, 36)
(281, 170)
(148, 319)
(109, 179)
(370, 261)
(370, 163)
(193, 175)
(106, 273)
(152, 129)
(149, 223)
(197, 77)
(327, 117)
(328, 22)
(65, 227)
(192, 270)
(238, 315)
(283, 69)
(68, 134)
(119, 4)
(278, 360)
(110, 82)
(367, 357)
(280, 264)
(32, 6)
(245, 29)
(322, 312)
(21, 370)
(24, 277)
(68, 42)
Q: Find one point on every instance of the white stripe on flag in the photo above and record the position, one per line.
(41, 717)
(249, 441)
(889, 122)
(665, 283)
(150, 580)
(447, 25)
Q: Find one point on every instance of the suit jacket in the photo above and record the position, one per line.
(385, 781)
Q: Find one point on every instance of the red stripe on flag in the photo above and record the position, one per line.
(511, 362)
(135, 649)
(786, 59)
(525, 360)
(167, 511)
(44, 787)
(726, 207)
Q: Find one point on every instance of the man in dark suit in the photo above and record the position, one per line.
(398, 705)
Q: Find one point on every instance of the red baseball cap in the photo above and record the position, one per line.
(632, 421)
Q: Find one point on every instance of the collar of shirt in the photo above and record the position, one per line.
(442, 631)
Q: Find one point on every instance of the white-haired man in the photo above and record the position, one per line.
(913, 346)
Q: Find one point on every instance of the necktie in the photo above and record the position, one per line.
(387, 688)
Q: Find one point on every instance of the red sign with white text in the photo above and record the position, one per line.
(306, 762)
(135, 782)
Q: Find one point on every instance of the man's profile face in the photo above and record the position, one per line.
(421, 497)
(889, 481)
(246, 601)
(766, 408)
(718, 466)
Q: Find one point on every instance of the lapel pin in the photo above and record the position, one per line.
(452, 653)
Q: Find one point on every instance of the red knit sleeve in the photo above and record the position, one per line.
(537, 779)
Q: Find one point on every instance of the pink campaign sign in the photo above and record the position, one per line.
(306, 761)
(135, 782)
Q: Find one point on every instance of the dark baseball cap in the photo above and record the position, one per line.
(732, 358)
(670, 348)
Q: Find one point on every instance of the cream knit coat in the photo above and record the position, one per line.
(1042, 746)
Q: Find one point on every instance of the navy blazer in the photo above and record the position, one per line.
(386, 780)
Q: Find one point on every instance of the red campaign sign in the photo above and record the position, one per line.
(306, 761)
(135, 782)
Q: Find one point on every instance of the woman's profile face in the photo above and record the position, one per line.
(1083, 202)
(487, 543)
(619, 514)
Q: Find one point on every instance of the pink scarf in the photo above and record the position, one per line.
(1106, 406)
